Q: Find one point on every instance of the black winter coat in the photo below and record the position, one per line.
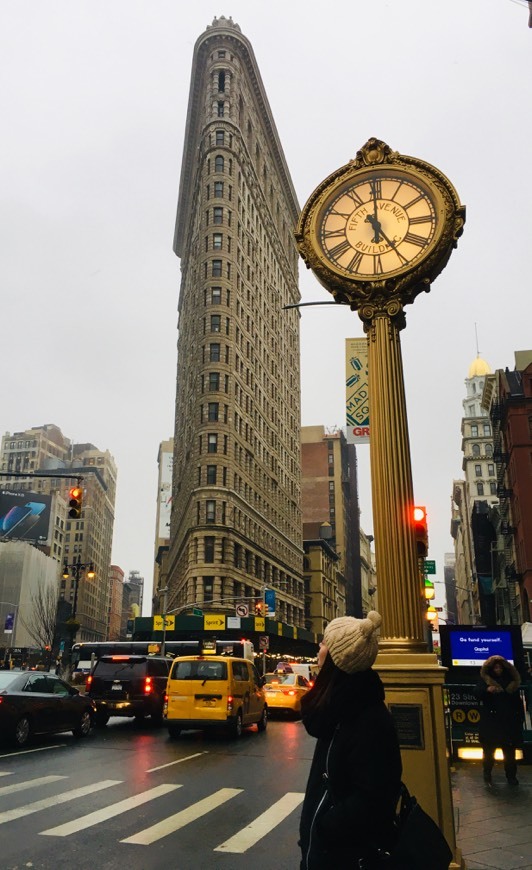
(354, 779)
(501, 714)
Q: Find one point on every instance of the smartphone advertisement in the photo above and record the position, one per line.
(24, 516)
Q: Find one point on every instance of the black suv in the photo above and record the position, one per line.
(128, 685)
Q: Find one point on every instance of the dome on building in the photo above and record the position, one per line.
(478, 368)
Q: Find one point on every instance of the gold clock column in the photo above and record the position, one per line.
(400, 592)
(376, 233)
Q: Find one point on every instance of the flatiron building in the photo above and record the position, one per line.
(236, 513)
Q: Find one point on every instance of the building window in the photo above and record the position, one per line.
(216, 322)
(210, 511)
(478, 471)
(211, 475)
(218, 214)
(220, 137)
(493, 488)
(487, 429)
(208, 543)
(218, 164)
(474, 430)
(217, 241)
(476, 450)
(488, 450)
(212, 413)
(218, 189)
(214, 380)
(491, 469)
(216, 296)
(214, 352)
(480, 489)
(216, 268)
(221, 81)
(212, 442)
(220, 108)
(208, 588)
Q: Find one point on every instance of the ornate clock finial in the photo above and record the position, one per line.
(374, 151)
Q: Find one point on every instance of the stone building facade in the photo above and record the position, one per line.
(236, 514)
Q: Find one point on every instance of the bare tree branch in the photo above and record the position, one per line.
(41, 624)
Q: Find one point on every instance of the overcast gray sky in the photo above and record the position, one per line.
(93, 100)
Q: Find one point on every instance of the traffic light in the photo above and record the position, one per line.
(419, 517)
(430, 592)
(432, 616)
(259, 608)
(75, 497)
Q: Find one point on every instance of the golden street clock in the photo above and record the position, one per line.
(382, 226)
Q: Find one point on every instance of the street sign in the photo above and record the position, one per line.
(197, 612)
(430, 566)
(264, 641)
(242, 610)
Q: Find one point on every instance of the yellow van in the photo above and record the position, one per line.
(214, 692)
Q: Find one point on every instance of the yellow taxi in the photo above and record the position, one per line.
(284, 691)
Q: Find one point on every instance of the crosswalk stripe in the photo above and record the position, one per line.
(184, 817)
(6, 773)
(19, 812)
(262, 825)
(29, 751)
(177, 761)
(109, 812)
(29, 783)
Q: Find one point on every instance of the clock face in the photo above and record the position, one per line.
(382, 222)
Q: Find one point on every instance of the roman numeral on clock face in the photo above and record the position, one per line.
(413, 239)
(334, 234)
(355, 262)
(340, 249)
(422, 219)
(376, 188)
(355, 197)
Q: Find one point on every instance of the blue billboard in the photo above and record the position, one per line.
(24, 516)
(471, 647)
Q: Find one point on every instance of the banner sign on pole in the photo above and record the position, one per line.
(357, 390)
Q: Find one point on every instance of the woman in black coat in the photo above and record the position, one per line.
(355, 776)
(501, 715)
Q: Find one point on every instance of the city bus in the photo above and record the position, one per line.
(84, 654)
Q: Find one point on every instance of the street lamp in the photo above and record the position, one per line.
(75, 570)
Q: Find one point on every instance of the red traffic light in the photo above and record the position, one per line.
(75, 497)
(421, 534)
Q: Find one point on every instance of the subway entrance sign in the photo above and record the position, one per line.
(430, 566)
(197, 612)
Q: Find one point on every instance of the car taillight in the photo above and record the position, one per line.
(88, 682)
(147, 686)
(229, 703)
(310, 683)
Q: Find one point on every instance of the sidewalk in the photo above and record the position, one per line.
(493, 826)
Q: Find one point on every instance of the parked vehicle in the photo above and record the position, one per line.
(214, 692)
(128, 685)
(36, 702)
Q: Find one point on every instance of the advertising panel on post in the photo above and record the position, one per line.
(468, 646)
(24, 516)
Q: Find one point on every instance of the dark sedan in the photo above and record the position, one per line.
(41, 703)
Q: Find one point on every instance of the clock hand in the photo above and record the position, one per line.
(393, 245)
(375, 223)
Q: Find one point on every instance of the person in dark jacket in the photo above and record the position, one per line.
(355, 775)
(501, 715)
